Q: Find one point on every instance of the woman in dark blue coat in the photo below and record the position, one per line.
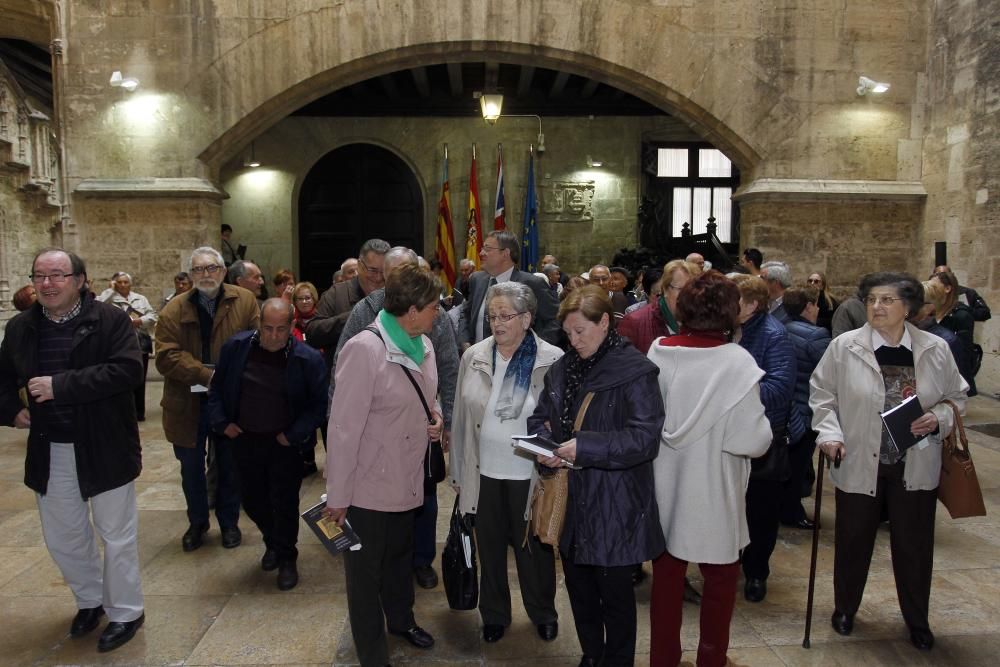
(611, 518)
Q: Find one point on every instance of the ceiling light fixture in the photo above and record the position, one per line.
(129, 83)
(490, 104)
(866, 85)
(251, 161)
(594, 163)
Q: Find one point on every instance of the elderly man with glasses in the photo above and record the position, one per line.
(189, 336)
(499, 258)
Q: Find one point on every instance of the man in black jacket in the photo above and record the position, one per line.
(78, 362)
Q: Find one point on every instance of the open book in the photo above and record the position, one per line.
(537, 444)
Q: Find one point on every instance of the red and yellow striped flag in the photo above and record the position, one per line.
(445, 233)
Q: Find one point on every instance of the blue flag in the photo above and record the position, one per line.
(529, 234)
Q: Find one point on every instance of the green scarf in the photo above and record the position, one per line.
(668, 317)
(412, 346)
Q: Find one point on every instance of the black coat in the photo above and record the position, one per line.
(106, 367)
(611, 515)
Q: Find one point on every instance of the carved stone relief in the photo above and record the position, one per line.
(568, 201)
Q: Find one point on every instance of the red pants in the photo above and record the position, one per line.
(666, 611)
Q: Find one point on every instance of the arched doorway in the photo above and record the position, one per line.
(354, 193)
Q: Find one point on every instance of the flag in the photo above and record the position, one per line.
(445, 233)
(474, 230)
(499, 221)
(529, 237)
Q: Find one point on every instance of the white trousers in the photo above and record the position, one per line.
(69, 535)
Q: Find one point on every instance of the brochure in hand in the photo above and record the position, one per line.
(335, 538)
(897, 422)
(537, 444)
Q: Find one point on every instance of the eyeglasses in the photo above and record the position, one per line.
(371, 271)
(211, 269)
(884, 301)
(814, 281)
(305, 297)
(503, 318)
(676, 287)
(491, 248)
(57, 278)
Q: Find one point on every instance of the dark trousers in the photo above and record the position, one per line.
(425, 530)
(500, 524)
(270, 476)
(227, 503)
(800, 460)
(379, 580)
(603, 604)
(666, 611)
(911, 541)
(763, 508)
(140, 391)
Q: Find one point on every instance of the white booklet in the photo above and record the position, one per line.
(538, 444)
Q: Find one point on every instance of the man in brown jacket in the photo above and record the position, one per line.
(189, 335)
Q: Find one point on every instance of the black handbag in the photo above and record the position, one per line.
(774, 465)
(458, 564)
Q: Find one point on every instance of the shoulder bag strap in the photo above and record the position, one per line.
(583, 411)
(409, 375)
(961, 442)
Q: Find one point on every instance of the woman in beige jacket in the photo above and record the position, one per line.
(864, 373)
(499, 380)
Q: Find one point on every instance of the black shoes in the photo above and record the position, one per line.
(587, 662)
(548, 631)
(802, 524)
(269, 561)
(193, 536)
(843, 623)
(288, 575)
(416, 636)
(691, 594)
(425, 575)
(922, 639)
(492, 633)
(231, 537)
(117, 634)
(755, 590)
(85, 621)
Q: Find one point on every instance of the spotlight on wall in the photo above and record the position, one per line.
(866, 85)
(591, 162)
(491, 104)
(251, 160)
(129, 83)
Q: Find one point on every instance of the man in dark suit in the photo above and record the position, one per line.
(499, 258)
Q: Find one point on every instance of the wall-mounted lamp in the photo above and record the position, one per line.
(866, 85)
(491, 104)
(252, 160)
(128, 83)
(594, 163)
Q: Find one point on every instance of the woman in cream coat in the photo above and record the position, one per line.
(715, 423)
(499, 380)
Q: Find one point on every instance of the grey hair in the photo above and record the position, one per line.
(279, 304)
(465, 261)
(238, 269)
(399, 255)
(119, 274)
(211, 252)
(550, 269)
(778, 272)
(377, 246)
(344, 263)
(519, 295)
(508, 241)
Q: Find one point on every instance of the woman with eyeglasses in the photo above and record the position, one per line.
(304, 298)
(827, 304)
(864, 373)
(499, 380)
(658, 317)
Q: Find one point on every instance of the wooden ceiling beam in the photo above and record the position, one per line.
(455, 79)
(421, 81)
(559, 84)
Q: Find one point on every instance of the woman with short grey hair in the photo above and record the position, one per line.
(499, 380)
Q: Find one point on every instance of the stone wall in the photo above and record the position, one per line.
(961, 142)
(263, 204)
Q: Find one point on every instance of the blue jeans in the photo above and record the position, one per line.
(227, 499)
(425, 531)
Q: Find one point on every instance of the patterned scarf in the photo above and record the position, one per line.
(577, 370)
(517, 378)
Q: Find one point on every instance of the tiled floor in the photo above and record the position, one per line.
(216, 607)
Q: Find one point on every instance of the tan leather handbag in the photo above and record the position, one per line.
(959, 486)
(548, 505)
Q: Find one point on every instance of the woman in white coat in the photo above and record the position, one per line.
(715, 423)
(499, 380)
